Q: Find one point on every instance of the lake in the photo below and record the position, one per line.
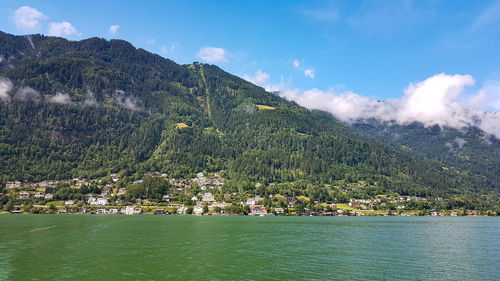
(94, 247)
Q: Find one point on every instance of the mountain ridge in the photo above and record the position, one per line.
(91, 107)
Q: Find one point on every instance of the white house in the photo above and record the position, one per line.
(258, 210)
(208, 197)
(198, 209)
(200, 179)
(137, 210)
(97, 201)
(131, 210)
(253, 200)
(279, 210)
(82, 182)
(114, 177)
(24, 195)
(434, 213)
(12, 184)
(182, 210)
(220, 205)
(128, 210)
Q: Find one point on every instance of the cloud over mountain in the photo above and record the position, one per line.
(5, 87)
(433, 101)
(60, 98)
(62, 29)
(212, 54)
(28, 19)
(310, 72)
(114, 29)
(27, 94)
(260, 78)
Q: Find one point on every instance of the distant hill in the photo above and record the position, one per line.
(468, 151)
(88, 108)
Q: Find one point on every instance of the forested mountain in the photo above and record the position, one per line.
(88, 108)
(469, 150)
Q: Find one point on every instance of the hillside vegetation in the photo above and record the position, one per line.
(89, 108)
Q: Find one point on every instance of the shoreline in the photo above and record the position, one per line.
(233, 215)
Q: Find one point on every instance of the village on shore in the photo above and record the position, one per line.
(202, 195)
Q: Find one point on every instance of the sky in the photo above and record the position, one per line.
(437, 62)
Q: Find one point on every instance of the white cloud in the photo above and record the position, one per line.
(114, 29)
(151, 41)
(28, 19)
(212, 54)
(489, 122)
(433, 101)
(310, 72)
(128, 102)
(347, 106)
(5, 87)
(460, 142)
(488, 96)
(260, 78)
(170, 48)
(62, 29)
(90, 100)
(296, 63)
(26, 94)
(276, 87)
(60, 98)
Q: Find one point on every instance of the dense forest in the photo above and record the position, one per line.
(93, 107)
(467, 151)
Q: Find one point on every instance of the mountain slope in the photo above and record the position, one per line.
(468, 151)
(88, 108)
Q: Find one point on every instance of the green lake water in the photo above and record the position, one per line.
(93, 247)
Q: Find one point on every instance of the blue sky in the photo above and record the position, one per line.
(373, 48)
